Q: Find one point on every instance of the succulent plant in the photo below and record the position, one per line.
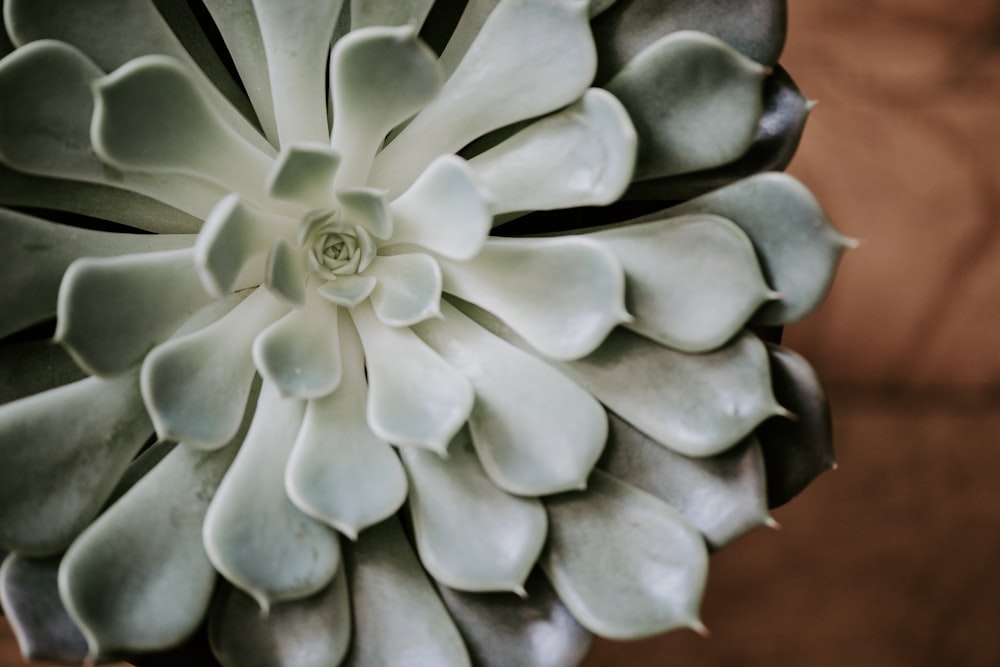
(433, 328)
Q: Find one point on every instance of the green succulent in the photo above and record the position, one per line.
(394, 332)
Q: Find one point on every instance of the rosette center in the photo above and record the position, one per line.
(334, 247)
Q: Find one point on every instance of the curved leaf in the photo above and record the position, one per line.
(138, 578)
(253, 534)
(311, 632)
(660, 562)
(695, 103)
(61, 453)
(796, 450)
(754, 27)
(536, 432)
(722, 496)
(470, 534)
(408, 288)
(390, 590)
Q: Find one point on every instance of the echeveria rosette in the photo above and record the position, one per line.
(331, 370)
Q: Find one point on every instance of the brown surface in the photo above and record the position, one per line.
(890, 561)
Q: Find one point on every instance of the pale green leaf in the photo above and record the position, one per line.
(582, 155)
(415, 397)
(536, 431)
(397, 12)
(113, 310)
(339, 471)
(138, 578)
(408, 288)
(253, 534)
(61, 453)
(692, 281)
(695, 102)
(304, 172)
(389, 590)
(625, 563)
(563, 295)
(529, 58)
(470, 534)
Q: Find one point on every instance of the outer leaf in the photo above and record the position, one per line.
(138, 578)
(796, 450)
(312, 632)
(778, 134)
(536, 432)
(48, 132)
(253, 533)
(339, 471)
(390, 590)
(112, 311)
(582, 300)
(722, 496)
(37, 253)
(114, 33)
(530, 58)
(401, 12)
(695, 103)
(30, 595)
(297, 39)
(470, 534)
(152, 114)
(502, 630)
(61, 453)
(798, 247)
(196, 386)
(659, 561)
(415, 397)
(675, 267)
(379, 77)
(754, 27)
(583, 155)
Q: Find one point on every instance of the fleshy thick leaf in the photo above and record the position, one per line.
(300, 353)
(304, 172)
(390, 590)
(445, 210)
(235, 234)
(675, 267)
(29, 592)
(196, 386)
(112, 311)
(312, 632)
(695, 103)
(138, 578)
(379, 77)
(37, 253)
(61, 453)
(153, 115)
(114, 33)
(408, 288)
(339, 471)
(581, 156)
(48, 132)
(529, 59)
(502, 630)
(797, 246)
(754, 27)
(659, 561)
(778, 134)
(470, 534)
(415, 398)
(536, 431)
(399, 12)
(254, 535)
(722, 496)
(563, 295)
(796, 450)
(297, 39)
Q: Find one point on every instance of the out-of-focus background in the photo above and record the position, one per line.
(894, 559)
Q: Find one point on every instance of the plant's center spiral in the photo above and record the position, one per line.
(333, 246)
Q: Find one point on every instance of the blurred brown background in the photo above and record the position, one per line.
(893, 559)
